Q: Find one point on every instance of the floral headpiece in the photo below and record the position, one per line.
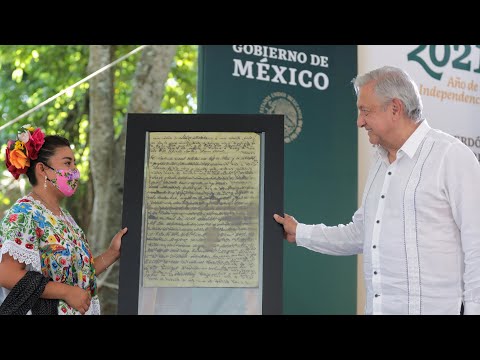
(21, 151)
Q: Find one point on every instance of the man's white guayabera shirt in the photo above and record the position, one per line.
(418, 228)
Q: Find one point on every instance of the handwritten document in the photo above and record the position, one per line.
(202, 210)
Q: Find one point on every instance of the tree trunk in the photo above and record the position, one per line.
(101, 145)
(148, 87)
(108, 156)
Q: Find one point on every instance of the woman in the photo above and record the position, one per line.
(38, 236)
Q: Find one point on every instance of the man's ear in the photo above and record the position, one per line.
(397, 107)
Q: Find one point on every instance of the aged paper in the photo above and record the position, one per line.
(202, 210)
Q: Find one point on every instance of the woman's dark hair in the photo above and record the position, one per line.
(52, 142)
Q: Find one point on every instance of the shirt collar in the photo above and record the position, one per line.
(413, 142)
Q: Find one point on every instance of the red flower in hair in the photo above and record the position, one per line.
(19, 153)
(10, 167)
(37, 138)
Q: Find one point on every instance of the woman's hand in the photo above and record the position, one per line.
(78, 298)
(116, 243)
(103, 261)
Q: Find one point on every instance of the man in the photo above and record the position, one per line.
(418, 226)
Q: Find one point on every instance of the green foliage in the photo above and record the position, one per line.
(123, 83)
(30, 74)
(181, 88)
(180, 94)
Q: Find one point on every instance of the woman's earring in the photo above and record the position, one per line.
(45, 183)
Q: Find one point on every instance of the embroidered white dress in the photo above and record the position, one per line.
(52, 245)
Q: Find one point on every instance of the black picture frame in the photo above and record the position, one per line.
(138, 126)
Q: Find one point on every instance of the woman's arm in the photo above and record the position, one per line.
(104, 260)
(11, 271)
(112, 254)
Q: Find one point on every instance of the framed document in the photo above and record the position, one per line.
(199, 196)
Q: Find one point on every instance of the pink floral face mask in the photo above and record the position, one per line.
(65, 180)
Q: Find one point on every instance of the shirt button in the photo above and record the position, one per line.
(376, 295)
(383, 196)
(389, 173)
(375, 272)
(374, 246)
(378, 221)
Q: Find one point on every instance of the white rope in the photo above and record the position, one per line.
(11, 122)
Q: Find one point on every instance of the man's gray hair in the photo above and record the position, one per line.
(394, 83)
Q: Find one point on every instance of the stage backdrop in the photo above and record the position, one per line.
(311, 86)
(448, 77)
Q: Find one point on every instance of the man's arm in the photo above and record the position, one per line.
(462, 178)
(331, 240)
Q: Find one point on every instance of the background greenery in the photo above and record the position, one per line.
(31, 74)
(157, 78)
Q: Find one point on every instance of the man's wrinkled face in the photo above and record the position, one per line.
(373, 115)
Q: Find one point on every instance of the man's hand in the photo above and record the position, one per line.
(289, 226)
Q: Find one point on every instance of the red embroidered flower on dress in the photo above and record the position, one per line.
(39, 232)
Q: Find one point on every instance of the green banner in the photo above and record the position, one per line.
(311, 86)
